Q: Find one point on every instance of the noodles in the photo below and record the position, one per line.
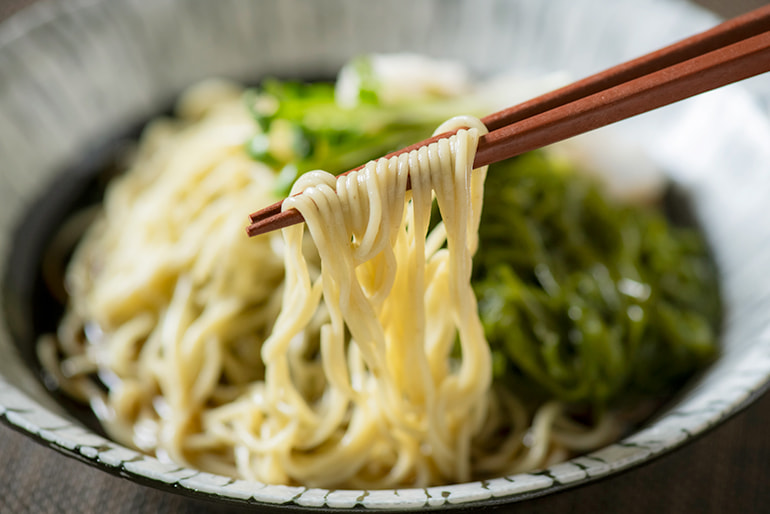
(357, 360)
(405, 401)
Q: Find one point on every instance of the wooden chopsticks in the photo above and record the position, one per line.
(732, 51)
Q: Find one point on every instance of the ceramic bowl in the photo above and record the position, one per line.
(75, 72)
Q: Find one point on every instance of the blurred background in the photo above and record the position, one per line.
(729, 8)
(725, 8)
(726, 470)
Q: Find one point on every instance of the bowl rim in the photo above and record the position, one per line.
(15, 419)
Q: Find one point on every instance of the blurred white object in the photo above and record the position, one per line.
(624, 169)
(399, 77)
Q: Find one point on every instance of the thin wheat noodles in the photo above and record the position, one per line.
(403, 307)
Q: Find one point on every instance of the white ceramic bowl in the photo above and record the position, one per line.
(74, 72)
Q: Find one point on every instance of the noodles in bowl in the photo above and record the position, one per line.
(82, 71)
(361, 360)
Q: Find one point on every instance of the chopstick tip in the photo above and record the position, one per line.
(276, 221)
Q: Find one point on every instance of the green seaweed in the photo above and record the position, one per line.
(586, 300)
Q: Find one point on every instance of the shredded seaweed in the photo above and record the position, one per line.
(586, 300)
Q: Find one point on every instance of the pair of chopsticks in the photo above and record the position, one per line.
(732, 51)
